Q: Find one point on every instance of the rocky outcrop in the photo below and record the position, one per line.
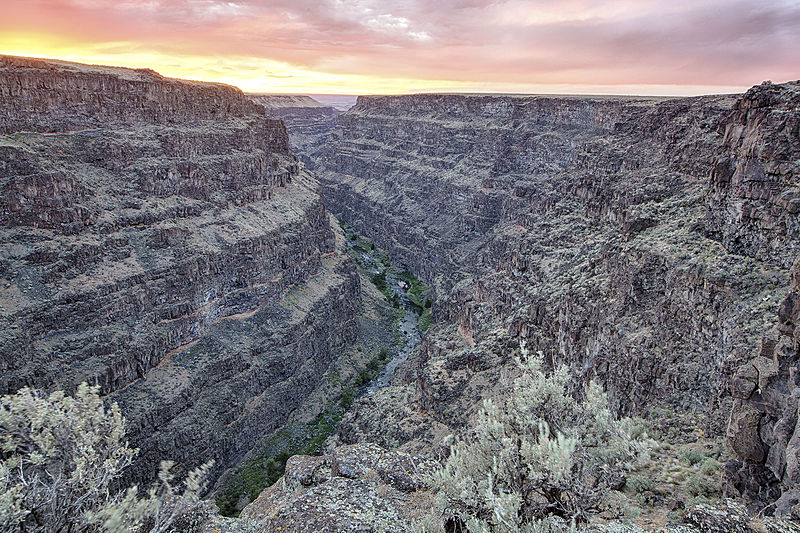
(764, 431)
(753, 197)
(368, 489)
(308, 120)
(356, 488)
(160, 239)
(753, 204)
(576, 223)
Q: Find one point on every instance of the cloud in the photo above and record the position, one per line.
(480, 42)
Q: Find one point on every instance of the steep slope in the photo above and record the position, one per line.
(580, 224)
(753, 198)
(753, 201)
(159, 238)
(309, 121)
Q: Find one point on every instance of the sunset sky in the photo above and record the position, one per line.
(400, 46)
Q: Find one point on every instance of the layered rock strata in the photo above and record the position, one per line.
(160, 239)
(308, 120)
(584, 225)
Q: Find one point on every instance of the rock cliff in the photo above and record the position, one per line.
(159, 238)
(593, 227)
(309, 121)
(753, 197)
(753, 201)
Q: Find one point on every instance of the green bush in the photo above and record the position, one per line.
(691, 457)
(385, 354)
(539, 454)
(375, 364)
(699, 486)
(379, 280)
(639, 483)
(348, 395)
(710, 467)
(425, 320)
(364, 376)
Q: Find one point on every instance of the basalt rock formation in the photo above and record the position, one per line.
(309, 121)
(755, 198)
(159, 238)
(643, 241)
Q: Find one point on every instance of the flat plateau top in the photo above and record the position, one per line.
(124, 73)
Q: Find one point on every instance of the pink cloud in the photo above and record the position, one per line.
(717, 42)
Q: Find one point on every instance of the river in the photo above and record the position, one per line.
(408, 326)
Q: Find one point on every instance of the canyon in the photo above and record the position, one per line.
(308, 120)
(172, 242)
(646, 242)
(160, 240)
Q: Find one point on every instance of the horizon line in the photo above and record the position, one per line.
(548, 89)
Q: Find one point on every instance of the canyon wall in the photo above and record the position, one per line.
(160, 239)
(643, 241)
(309, 121)
(753, 201)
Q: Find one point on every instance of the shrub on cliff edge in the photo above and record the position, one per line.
(538, 455)
(61, 458)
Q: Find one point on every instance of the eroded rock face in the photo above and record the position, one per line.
(578, 224)
(159, 238)
(308, 120)
(753, 197)
(754, 207)
(763, 430)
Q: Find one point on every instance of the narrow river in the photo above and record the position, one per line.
(408, 326)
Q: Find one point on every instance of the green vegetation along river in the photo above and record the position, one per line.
(411, 305)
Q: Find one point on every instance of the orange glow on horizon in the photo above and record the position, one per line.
(647, 47)
(259, 75)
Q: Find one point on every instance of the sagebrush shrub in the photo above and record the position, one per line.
(537, 454)
(61, 458)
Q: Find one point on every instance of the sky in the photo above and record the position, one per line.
(669, 47)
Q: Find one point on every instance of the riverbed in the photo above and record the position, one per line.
(407, 327)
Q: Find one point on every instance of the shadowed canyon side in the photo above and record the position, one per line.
(644, 241)
(159, 238)
(307, 119)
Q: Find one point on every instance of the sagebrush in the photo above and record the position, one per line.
(61, 459)
(538, 457)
